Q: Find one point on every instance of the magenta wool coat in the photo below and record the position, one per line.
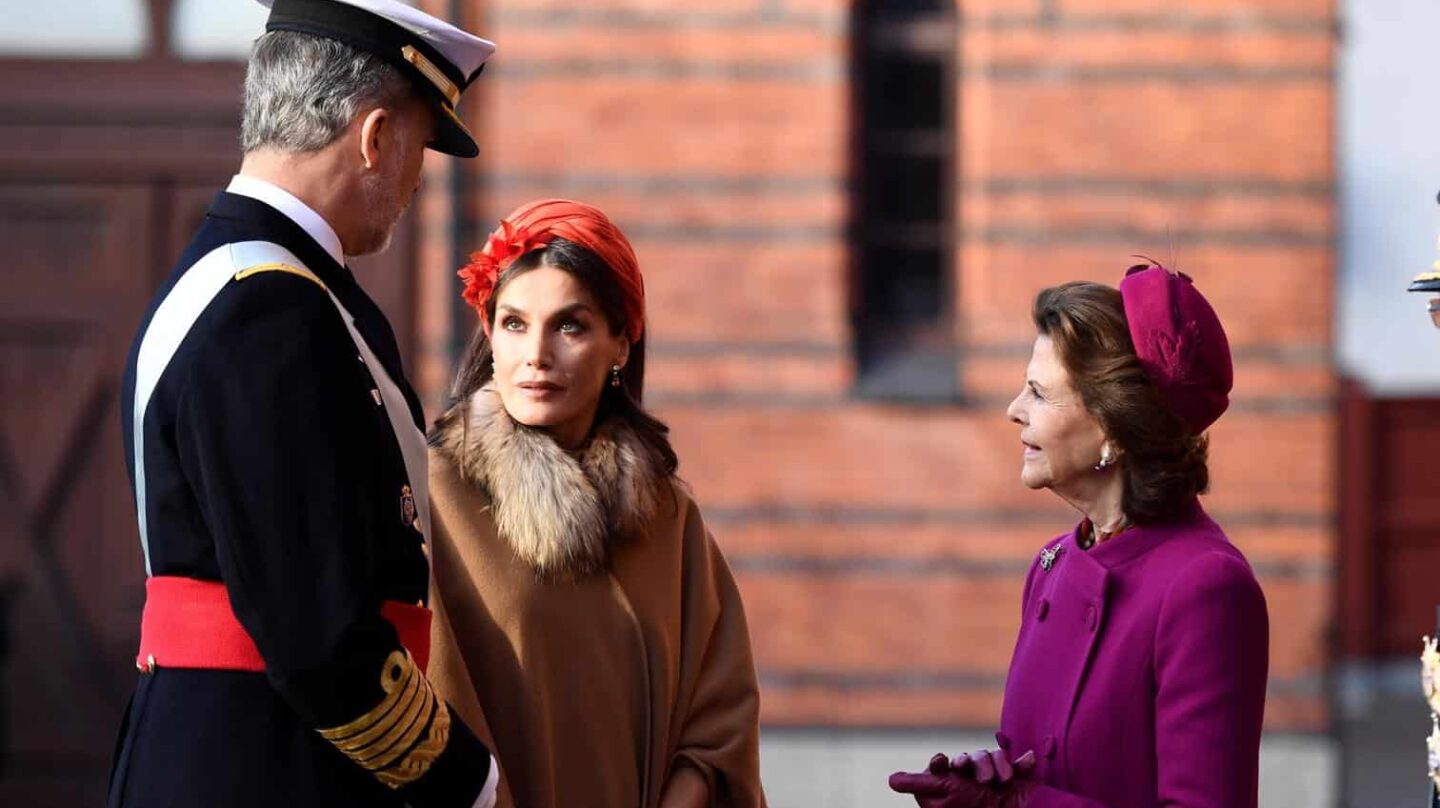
(1139, 673)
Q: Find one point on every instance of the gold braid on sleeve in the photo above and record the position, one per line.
(400, 737)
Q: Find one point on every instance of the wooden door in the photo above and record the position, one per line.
(1390, 523)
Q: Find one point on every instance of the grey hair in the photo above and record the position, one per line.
(301, 91)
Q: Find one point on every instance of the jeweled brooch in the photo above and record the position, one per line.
(1048, 556)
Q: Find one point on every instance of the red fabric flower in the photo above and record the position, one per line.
(506, 244)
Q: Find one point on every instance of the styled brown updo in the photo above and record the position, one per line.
(1163, 464)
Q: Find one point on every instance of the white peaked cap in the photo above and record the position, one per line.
(439, 58)
(465, 50)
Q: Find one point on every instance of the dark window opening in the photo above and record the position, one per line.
(903, 208)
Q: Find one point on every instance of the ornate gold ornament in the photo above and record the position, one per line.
(1432, 744)
(400, 737)
(1430, 673)
(433, 74)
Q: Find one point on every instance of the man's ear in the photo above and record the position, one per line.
(374, 135)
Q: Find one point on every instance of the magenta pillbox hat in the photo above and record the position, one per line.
(1180, 342)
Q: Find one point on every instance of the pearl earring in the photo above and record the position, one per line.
(1107, 458)
(614, 375)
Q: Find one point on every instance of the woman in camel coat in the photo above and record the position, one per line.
(587, 623)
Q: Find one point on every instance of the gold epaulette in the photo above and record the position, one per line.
(248, 272)
(387, 741)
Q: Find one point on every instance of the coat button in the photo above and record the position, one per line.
(1003, 741)
(1047, 747)
(1042, 609)
(1092, 617)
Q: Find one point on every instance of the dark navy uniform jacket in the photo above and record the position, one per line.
(270, 466)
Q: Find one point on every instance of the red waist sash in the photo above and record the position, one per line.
(188, 623)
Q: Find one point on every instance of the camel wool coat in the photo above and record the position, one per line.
(597, 642)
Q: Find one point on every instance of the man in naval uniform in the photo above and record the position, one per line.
(277, 452)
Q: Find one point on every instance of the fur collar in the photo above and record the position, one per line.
(560, 513)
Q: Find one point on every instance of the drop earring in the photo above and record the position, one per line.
(1107, 458)
(614, 375)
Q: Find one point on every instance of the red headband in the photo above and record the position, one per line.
(536, 224)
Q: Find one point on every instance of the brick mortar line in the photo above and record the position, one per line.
(822, 515)
(774, 15)
(815, 71)
(912, 568)
(820, 233)
(1122, 185)
(142, 116)
(835, 71)
(692, 348)
(850, 565)
(1010, 72)
(990, 186)
(659, 397)
(1041, 236)
(831, 233)
(1260, 405)
(1300, 355)
(758, 183)
(880, 680)
(1324, 25)
(767, 18)
(950, 679)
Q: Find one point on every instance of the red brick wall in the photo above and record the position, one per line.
(881, 548)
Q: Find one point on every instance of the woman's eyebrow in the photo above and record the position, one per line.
(573, 308)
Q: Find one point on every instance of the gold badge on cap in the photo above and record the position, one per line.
(432, 73)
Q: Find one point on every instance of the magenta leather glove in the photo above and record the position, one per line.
(983, 779)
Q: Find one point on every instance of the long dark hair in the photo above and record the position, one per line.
(477, 368)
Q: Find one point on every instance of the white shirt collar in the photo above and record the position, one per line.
(293, 209)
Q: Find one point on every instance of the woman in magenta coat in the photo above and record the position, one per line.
(1138, 677)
